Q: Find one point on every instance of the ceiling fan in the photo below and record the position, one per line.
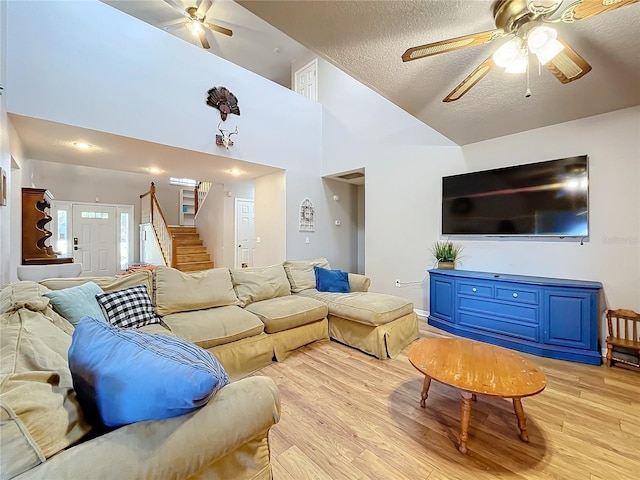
(528, 23)
(196, 21)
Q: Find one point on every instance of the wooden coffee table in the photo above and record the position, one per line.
(476, 368)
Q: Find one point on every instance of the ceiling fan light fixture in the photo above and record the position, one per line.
(541, 7)
(549, 53)
(195, 28)
(542, 40)
(508, 52)
(519, 63)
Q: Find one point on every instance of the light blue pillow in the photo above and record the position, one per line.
(123, 376)
(335, 281)
(76, 302)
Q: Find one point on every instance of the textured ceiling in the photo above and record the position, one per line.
(367, 38)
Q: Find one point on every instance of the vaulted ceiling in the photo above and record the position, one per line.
(367, 38)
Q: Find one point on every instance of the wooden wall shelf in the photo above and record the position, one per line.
(35, 218)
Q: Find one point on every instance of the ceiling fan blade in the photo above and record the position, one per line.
(174, 26)
(568, 66)
(203, 40)
(203, 8)
(457, 43)
(588, 8)
(177, 7)
(475, 76)
(217, 28)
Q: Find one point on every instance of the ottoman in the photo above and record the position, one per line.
(375, 323)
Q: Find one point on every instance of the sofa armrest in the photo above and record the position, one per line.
(359, 283)
(173, 448)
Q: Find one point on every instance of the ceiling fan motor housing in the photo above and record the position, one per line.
(510, 15)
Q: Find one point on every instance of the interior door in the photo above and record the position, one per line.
(245, 227)
(95, 239)
(306, 84)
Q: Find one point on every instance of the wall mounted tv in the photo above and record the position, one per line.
(545, 198)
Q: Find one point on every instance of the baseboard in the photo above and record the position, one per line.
(421, 313)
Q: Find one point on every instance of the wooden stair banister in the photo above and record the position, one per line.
(181, 246)
(155, 216)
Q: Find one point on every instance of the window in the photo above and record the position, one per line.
(62, 234)
(124, 240)
(101, 215)
(183, 182)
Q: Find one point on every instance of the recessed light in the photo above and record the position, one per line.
(154, 170)
(82, 145)
(234, 171)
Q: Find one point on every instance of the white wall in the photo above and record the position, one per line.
(271, 219)
(210, 223)
(5, 156)
(612, 253)
(144, 83)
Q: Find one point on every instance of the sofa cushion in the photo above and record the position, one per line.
(285, 313)
(363, 307)
(73, 303)
(40, 414)
(156, 328)
(300, 273)
(129, 307)
(125, 376)
(261, 283)
(108, 284)
(214, 326)
(178, 291)
(335, 281)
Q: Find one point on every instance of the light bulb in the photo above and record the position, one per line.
(540, 37)
(549, 52)
(195, 28)
(507, 52)
(519, 63)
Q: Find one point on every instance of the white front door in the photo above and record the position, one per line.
(245, 225)
(95, 239)
(305, 78)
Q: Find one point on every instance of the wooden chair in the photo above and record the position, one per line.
(624, 333)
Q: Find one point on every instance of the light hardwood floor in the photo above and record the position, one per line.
(346, 415)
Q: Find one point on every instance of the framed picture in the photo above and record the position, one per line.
(3, 187)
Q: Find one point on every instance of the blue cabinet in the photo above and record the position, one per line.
(544, 316)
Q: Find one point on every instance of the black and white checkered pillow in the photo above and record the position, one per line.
(127, 308)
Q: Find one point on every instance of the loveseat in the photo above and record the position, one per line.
(246, 318)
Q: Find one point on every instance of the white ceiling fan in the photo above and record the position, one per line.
(196, 22)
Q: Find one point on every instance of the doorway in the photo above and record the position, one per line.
(98, 236)
(245, 228)
(306, 80)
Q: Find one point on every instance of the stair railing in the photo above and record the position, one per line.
(152, 213)
(200, 192)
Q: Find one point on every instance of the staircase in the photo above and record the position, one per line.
(191, 254)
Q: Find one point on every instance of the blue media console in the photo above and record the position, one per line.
(549, 317)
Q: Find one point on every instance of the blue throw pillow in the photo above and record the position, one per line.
(76, 302)
(335, 281)
(123, 376)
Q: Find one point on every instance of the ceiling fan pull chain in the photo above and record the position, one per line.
(528, 92)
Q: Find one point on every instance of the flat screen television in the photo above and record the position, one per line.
(545, 198)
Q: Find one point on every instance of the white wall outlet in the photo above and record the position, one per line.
(397, 282)
(306, 240)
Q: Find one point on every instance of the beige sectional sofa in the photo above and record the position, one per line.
(247, 318)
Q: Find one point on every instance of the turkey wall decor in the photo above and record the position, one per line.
(226, 102)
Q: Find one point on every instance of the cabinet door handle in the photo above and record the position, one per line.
(474, 289)
(515, 295)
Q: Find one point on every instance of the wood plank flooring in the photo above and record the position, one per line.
(346, 415)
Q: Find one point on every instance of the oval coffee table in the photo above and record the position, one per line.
(476, 368)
